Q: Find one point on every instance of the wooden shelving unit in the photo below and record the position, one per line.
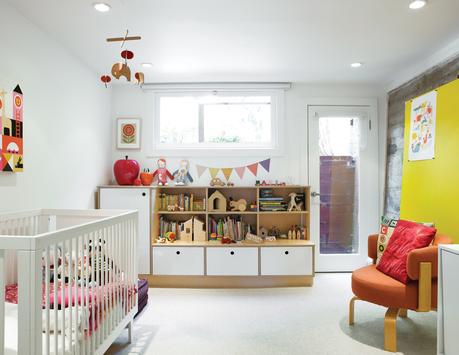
(283, 220)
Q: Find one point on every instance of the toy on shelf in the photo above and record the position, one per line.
(274, 232)
(213, 236)
(162, 173)
(217, 182)
(269, 183)
(270, 238)
(263, 232)
(182, 175)
(294, 204)
(126, 171)
(253, 238)
(137, 182)
(186, 230)
(240, 205)
(171, 237)
(230, 184)
(217, 202)
(297, 232)
(146, 177)
(253, 207)
(161, 240)
(227, 240)
(199, 230)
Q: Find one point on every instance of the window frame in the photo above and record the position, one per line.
(275, 148)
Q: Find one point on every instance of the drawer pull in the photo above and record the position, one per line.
(232, 252)
(144, 194)
(177, 252)
(286, 252)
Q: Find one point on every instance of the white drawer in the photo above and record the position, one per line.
(227, 261)
(178, 261)
(286, 261)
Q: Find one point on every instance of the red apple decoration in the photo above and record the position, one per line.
(126, 171)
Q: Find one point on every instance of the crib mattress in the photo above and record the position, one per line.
(11, 334)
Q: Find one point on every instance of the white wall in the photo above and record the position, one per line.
(66, 120)
(129, 101)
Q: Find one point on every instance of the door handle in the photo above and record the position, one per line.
(315, 194)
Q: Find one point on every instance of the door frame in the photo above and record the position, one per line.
(372, 106)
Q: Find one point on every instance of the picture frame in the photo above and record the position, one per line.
(128, 133)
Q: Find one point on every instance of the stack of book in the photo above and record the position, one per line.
(273, 204)
(181, 202)
(169, 226)
(234, 228)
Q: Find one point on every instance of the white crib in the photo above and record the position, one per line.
(71, 280)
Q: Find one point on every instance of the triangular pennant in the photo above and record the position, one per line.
(240, 171)
(213, 172)
(265, 164)
(201, 170)
(253, 168)
(227, 172)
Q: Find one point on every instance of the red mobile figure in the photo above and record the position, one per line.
(162, 173)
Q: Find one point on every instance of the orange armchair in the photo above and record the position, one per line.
(420, 294)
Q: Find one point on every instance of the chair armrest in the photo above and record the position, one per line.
(373, 246)
(424, 255)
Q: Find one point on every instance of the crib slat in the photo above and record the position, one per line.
(62, 285)
(55, 308)
(47, 303)
(2, 300)
(30, 302)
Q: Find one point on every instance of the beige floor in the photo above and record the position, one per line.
(270, 321)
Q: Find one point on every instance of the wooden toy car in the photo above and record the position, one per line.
(217, 182)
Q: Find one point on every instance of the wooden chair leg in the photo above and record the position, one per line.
(403, 313)
(390, 330)
(351, 310)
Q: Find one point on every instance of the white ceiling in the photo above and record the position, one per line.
(252, 40)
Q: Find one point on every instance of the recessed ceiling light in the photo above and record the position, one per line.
(102, 7)
(147, 65)
(356, 65)
(417, 4)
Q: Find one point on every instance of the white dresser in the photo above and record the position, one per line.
(448, 300)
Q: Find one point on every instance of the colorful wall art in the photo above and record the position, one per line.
(11, 132)
(240, 171)
(128, 133)
(422, 127)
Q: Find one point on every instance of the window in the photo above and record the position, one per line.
(219, 120)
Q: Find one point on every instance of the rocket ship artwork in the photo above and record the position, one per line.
(11, 133)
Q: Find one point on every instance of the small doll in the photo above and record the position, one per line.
(182, 175)
(162, 173)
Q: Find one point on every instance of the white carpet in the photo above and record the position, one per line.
(270, 321)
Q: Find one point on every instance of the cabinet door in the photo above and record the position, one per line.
(133, 199)
(226, 261)
(178, 261)
(286, 261)
(450, 310)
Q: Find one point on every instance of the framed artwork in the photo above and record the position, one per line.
(422, 127)
(11, 132)
(128, 133)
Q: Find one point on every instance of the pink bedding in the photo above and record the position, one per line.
(90, 297)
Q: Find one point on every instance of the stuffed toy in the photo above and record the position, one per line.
(182, 175)
(162, 173)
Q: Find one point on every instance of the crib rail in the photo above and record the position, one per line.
(76, 278)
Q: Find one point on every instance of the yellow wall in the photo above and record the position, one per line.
(430, 188)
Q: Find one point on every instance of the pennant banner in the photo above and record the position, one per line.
(227, 172)
(201, 170)
(213, 172)
(240, 171)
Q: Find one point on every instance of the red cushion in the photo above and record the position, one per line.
(407, 236)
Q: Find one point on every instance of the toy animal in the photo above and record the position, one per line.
(240, 205)
(182, 175)
(217, 182)
(162, 173)
(293, 205)
(121, 69)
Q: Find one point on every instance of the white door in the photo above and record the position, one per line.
(343, 174)
(133, 199)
